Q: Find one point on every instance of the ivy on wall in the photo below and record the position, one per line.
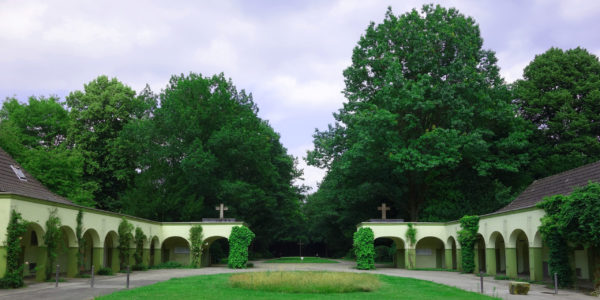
(125, 239)
(239, 240)
(364, 248)
(467, 236)
(196, 239)
(411, 238)
(52, 239)
(16, 229)
(572, 219)
(138, 256)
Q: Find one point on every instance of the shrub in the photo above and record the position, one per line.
(17, 227)
(239, 240)
(467, 237)
(364, 249)
(139, 246)
(125, 238)
(105, 271)
(196, 238)
(52, 239)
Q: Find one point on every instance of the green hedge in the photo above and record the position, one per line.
(17, 227)
(239, 240)
(467, 237)
(364, 249)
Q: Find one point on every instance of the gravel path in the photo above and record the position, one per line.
(77, 289)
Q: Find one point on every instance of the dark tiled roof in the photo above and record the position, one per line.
(10, 183)
(559, 184)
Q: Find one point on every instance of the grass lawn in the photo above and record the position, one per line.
(306, 260)
(219, 287)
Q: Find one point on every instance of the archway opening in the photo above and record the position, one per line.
(522, 247)
(215, 251)
(451, 244)
(176, 249)
(153, 256)
(389, 252)
(66, 254)
(31, 254)
(500, 250)
(111, 255)
(480, 252)
(430, 253)
(91, 240)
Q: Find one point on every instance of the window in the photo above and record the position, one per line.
(19, 173)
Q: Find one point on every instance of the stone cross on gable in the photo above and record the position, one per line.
(221, 208)
(383, 208)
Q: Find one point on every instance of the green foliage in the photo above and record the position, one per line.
(139, 239)
(98, 114)
(125, 232)
(34, 134)
(52, 239)
(80, 242)
(559, 95)
(364, 248)
(196, 239)
(239, 240)
(105, 271)
(467, 236)
(571, 219)
(411, 234)
(16, 229)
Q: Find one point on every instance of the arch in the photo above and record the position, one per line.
(451, 251)
(154, 247)
(480, 254)
(397, 257)
(512, 240)
(111, 255)
(207, 257)
(176, 248)
(31, 254)
(430, 253)
(520, 242)
(93, 236)
(66, 256)
(69, 236)
(537, 240)
(498, 246)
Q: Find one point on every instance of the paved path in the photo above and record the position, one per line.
(78, 289)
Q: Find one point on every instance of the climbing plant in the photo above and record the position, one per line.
(572, 219)
(138, 256)
(16, 229)
(80, 241)
(411, 238)
(125, 238)
(364, 248)
(467, 236)
(196, 238)
(239, 240)
(52, 239)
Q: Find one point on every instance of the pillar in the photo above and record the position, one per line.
(448, 258)
(458, 260)
(411, 258)
(97, 259)
(511, 262)
(490, 261)
(2, 261)
(40, 273)
(71, 266)
(115, 261)
(535, 264)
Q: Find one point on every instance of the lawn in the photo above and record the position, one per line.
(297, 260)
(219, 287)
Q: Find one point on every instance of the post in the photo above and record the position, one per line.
(92, 279)
(127, 276)
(555, 283)
(481, 280)
(57, 270)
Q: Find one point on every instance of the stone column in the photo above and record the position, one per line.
(490, 261)
(448, 258)
(535, 264)
(511, 262)
(40, 274)
(411, 258)
(71, 266)
(98, 259)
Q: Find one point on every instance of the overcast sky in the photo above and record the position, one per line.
(289, 54)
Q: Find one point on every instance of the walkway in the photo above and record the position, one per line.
(78, 289)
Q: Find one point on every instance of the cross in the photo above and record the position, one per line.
(221, 208)
(383, 210)
(300, 244)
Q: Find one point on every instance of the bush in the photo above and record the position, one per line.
(139, 239)
(364, 249)
(125, 237)
(239, 240)
(17, 227)
(467, 237)
(196, 238)
(105, 271)
(52, 239)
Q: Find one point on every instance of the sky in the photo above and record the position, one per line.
(289, 54)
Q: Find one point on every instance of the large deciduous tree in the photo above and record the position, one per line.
(205, 145)
(98, 114)
(560, 95)
(428, 124)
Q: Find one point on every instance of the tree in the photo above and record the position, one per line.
(98, 114)
(125, 238)
(34, 134)
(560, 95)
(204, 146)
(196, 240)
(139, 239)
(428, 125)
(52, 239)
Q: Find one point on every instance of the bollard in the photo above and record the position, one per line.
(92, 279)
(481, 278)
(57, 270)
(127, 276)
(555, 283)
